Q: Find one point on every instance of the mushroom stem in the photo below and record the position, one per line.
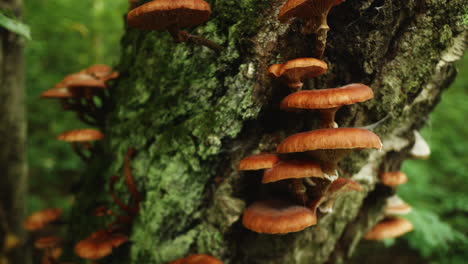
(300, 191)
(116, 199)
(318, 25)
(327, 117)
(129, 179)
(79, 151)
(183, 36)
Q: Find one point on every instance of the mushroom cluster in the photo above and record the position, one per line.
(85, 92)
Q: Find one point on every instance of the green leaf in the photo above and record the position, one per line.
(14, 26)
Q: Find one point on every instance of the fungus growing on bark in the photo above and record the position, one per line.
(60, 93)
(198, 259)
(420, 149)
(173, 15)
(329, 146)
(391, 227)
(314, 13)
(294, 72)
(277, 217)
(99, 244)
(40, 219)
(393, 178)
(328, 101)
(396, 206)
(83, 136)
(259, 161)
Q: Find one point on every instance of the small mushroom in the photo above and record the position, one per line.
(420, 149)
(294, 72)
(259, 162)
(396, 206)
(330, 145)
(40, 219)
(83, 136)
(328, 101)
(393, 178)
(198, 259)
(391, 227)
(277, 217)
(330, 193)
(99, 244)
(173, 15)
(314, 13)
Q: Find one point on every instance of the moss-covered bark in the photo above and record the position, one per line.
(193, 114)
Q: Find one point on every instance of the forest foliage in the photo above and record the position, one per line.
(70, 35)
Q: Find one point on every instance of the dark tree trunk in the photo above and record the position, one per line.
(193, 114)
(13, 177)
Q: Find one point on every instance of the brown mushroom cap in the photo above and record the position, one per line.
(306, 8)
(295, 71)
(396, 206)
(389, 228)
(81, 135)
(47, 242)
(328, 98)
(99, 244)
(393, 178)
(82, 80)
(333, 138)
(164, 14)
(40, 219)
(60, 93)
(277, 217)
(259, 162)
(292, 169)
(99, 70)
(198, 259)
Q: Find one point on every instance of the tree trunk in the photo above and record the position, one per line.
(193, 114)
(13, 176)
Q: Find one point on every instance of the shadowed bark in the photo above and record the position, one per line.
(13, 177)
(193, 114)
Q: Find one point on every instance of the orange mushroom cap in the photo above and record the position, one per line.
(99, 70)
(164, 14)
(333, 138)
(393, 178)
(292, 169)
(259, 161)
(389, 228)
(328, 98)
(198, 259)
(60, 93)
(99, 244)
(277, 217)
(47, 242)
(396, 206)
(40, 219)
(82, 80)
(295, 71)
(81, 135)
(306, 8)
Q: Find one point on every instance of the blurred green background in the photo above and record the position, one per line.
(69, 35)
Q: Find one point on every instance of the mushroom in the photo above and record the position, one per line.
(83, 136)
(277, 217)
(328, 101)
(393, 178)
(99, 244)
(330, 145)
(259, 161)
(420, 149)
(198, 259)
(294, 72)
(40, 219)
(296, 170)
(328, 196)
(173, 15)
(391, 227)
(314, 13)
(396, 206)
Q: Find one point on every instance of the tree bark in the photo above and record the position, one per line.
(13, 175)
(193, 114)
